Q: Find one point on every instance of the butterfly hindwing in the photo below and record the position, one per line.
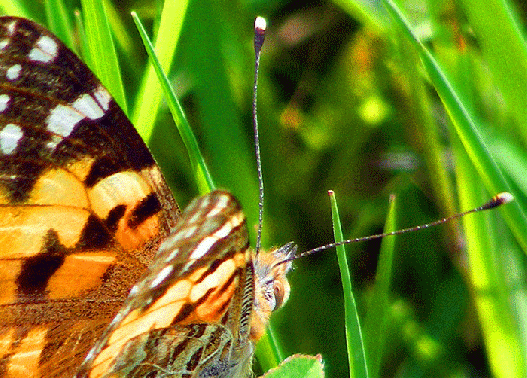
(194, 303)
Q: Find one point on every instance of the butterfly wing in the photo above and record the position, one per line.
(83, 206)
(190, 315)
(84, 210)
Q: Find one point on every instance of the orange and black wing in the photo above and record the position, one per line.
(83, 206)
(190, 315)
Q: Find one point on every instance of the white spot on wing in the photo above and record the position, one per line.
(4, 43)
(206, 244)
(161, 276)
(63, 119)
(173, 255)
(134, 291)
(188, 232)
(55, 140)
(13, 72)
(45, 50)
(103, 97)
(11, 28)
(184, 233)
(4, 101)
(195, 217)
(90, 354)
(221, 204)
(86, 105)
(9, 138)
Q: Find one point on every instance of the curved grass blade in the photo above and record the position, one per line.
(58, 20)
(150, 94)
(490, 266)
(201, 172)
(502, 41)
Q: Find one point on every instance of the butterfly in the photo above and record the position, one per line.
(101, 274)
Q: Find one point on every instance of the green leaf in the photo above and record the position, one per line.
(298, 366)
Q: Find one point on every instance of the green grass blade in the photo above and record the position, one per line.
(356, 353)
(502, 42)
(199, 167)
(489, 266)
(268, 351)
(123, 39)
(83, 41)
(20, 8)
(103, 57)
(369, 12)
(150, 93)
(375, 323)
(59, 21)
(421, 109)
(512, 158)
(223, 130)
(465, 127)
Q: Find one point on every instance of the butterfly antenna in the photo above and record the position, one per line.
(259, 37)
(497, 200)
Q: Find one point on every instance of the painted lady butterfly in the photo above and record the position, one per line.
(90, 232)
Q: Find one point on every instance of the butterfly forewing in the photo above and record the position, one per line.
(82, 204)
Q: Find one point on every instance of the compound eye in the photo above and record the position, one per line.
(278, 294)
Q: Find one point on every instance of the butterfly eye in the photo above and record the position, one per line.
(278, 294)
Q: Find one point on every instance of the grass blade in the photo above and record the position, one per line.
(488, 267)
(201, 172)
(500, 35)
(356, 353)
(150, 94)
(59, 21)
(378, 311)
(103, 57)
(19, 8)
(465, 127)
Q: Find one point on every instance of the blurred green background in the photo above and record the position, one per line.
(346, 104)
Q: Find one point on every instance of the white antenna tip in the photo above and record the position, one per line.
(505, 197)
(260, 24)
(498, 200)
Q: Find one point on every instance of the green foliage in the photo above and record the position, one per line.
(298, 366)
(422, 99)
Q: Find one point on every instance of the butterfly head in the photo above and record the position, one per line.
(272, 287)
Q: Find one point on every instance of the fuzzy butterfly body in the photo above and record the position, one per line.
(100, 274)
